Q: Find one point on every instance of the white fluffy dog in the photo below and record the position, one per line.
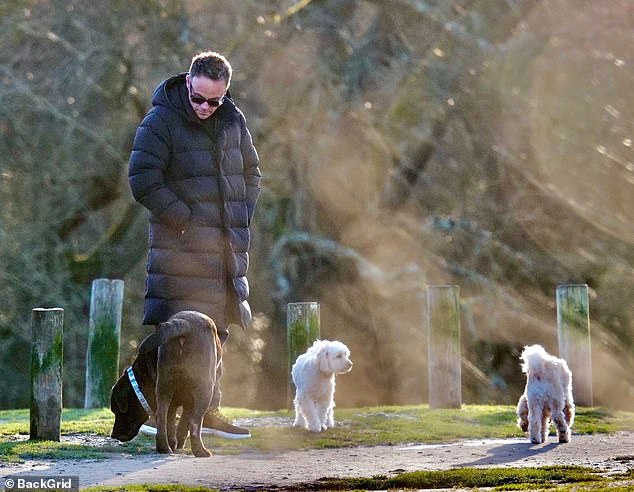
(314, 377)
(547, 397)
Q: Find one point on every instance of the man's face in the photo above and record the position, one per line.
(205, 95)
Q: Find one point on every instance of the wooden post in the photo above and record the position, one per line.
(302, 329)
(443, 345)
(104, 334)
(47, 350)
(573, 332)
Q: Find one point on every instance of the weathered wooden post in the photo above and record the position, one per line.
(573, 332)
(443, 345)
(104, 334)
(47, 351)
(302, 329)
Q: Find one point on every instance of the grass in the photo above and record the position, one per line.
(416, 424)
(77, 427)
(543, 478)
(517, 478)
(73, 421)
(548, 477)
(150, 488)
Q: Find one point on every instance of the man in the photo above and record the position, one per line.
(194, 167)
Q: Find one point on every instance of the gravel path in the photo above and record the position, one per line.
(254, 470)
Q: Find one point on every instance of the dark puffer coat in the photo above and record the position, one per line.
(200, 181)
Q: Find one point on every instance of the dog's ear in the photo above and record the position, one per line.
(323, 356)
(120, 396)
(151, 342)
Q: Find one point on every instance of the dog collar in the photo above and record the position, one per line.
(139, 393)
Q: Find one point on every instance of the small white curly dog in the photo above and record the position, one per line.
(547, 396)
(314, 377)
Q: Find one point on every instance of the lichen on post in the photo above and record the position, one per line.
(302, 329)
(443, 345)
(573, 333)
(104, 335)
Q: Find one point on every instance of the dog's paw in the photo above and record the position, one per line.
(564, 436)
(536, 437)
(202, 453)
(162, 443)
(198, 448)
(163, 448)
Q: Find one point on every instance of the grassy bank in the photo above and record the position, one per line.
(544, 478)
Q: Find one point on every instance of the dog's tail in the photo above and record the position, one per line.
(177, 326)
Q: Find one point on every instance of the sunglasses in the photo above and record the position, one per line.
(198, 99)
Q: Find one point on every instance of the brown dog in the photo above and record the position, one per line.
(177, 365)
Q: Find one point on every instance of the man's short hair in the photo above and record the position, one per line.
(212, 65)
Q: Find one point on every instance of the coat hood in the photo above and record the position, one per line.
(172, 94)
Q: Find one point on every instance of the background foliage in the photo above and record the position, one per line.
(484, 143)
